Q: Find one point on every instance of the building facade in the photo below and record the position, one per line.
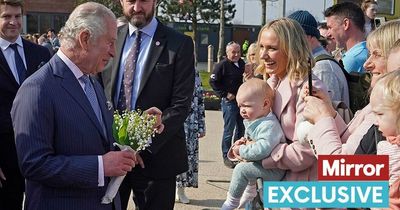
(39, 15)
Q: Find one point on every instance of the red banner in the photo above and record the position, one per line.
(353, 167)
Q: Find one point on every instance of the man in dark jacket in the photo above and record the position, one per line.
(225, 80)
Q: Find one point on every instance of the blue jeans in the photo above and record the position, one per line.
(232, 122)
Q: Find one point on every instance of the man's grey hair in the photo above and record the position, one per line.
(89, 16)
(230, 44)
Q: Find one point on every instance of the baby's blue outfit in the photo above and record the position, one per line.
(267, 134)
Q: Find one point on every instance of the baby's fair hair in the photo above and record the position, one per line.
(389, 86)
(257, 87)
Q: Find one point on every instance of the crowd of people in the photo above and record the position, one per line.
(49, 40)
(56, 143)
(346, 46)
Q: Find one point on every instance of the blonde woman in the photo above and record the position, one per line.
(286, 56)
(251, 62)
(330, 134)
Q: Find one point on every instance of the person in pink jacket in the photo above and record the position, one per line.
(286, 57)
(330, 134)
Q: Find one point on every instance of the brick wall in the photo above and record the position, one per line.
(50, 6)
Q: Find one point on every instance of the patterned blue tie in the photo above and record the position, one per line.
(19, 63)
(125, 95)
(91, 95)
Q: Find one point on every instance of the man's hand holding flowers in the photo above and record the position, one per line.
(118, 163)
(158, 126)
(133, 131)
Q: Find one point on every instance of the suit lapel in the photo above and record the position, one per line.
(157, 45)
(122, 33)
(28, 58)
(6, 69)
(71, 85)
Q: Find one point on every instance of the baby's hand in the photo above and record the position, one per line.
(235, 150)
(240, 141)
(249, 142)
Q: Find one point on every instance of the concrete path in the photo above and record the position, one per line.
(213, 175)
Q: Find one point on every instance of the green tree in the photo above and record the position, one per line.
(114, 5)
(195, 11)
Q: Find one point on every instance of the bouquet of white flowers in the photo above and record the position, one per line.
(132, 130)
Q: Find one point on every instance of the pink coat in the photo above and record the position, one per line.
(333, 136)
(298, 159)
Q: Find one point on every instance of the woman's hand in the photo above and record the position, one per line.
(317, 106)
(249, 71)
(316, 92)
(316, 109)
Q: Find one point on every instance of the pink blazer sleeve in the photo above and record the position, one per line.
(295, 156)
(329, 138)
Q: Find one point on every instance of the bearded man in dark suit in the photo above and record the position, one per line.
(160, 74)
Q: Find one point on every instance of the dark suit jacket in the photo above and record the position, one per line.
(34, 56)
(167, 83)
(58, 140)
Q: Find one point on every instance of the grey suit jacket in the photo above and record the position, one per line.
(58, 140)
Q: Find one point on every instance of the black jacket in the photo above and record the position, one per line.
(227, 77)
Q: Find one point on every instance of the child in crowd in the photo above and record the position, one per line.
(385, 103)
(263, 132)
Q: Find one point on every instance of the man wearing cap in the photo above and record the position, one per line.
(326, 70)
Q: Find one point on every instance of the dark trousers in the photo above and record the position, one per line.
(232, 122)
(10, 199)
(148, 194)
(11, 194)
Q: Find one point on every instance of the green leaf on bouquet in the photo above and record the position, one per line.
(134, 128)
(123, 133)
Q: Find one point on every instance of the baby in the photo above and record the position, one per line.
(263, 132)
(385, 103)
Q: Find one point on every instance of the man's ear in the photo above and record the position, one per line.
(346, 23)
(83, 39)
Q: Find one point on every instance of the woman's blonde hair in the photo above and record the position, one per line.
(292, 41)
(384, 37)
(252, 49)
(389, 86)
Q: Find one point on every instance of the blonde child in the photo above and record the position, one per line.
(262, 133)
(385, 103)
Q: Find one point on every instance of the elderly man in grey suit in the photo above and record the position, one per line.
(62, 123)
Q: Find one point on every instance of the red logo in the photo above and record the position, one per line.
(353, 167)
